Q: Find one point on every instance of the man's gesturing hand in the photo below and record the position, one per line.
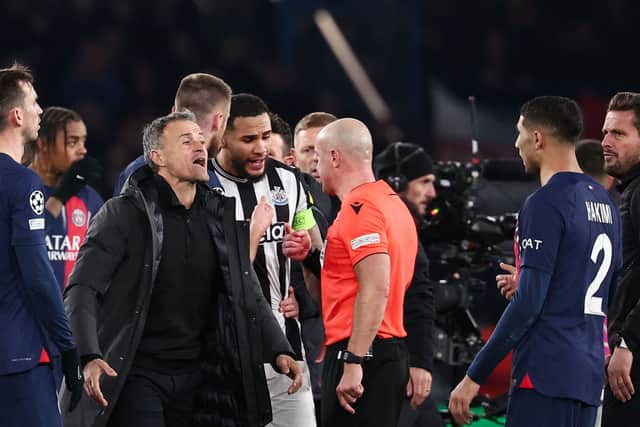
(296, 244)
(350, 387)
(92, 373)
(507, 282)
(289, 367)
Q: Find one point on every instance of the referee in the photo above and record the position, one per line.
(368, 263)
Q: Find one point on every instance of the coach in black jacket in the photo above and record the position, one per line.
(621, 146)
(111, 288)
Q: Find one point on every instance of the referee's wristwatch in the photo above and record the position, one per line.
(347, 357)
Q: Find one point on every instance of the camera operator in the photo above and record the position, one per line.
(409, 171)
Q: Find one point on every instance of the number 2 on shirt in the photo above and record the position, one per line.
(593, 304)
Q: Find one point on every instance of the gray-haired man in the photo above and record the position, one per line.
(164, 284)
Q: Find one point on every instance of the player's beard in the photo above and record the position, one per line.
(615, 170)
(240, 166)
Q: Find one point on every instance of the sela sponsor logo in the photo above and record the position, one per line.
(78, 217)
(62, 248)
(36, 201)
(275, 233)
(36, 224)
(367, 239)
(530, 243)
(279, 196)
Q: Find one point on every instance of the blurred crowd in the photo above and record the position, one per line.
(118, 62)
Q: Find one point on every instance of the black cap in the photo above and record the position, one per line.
(405, 158)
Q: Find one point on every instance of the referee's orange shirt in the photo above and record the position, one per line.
(373, 219)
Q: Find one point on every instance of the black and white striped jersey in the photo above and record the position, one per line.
(282, 186)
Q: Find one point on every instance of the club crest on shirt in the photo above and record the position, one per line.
(279, 196)
(36, 201)
(78, 217)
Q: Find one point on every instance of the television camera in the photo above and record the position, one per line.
(468, 230)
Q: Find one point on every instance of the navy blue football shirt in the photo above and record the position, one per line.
(569, 251)
(570, 229)
(65, 234)
(22, 223)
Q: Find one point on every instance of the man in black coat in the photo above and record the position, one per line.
(409, 170)
(171, 324)
(621, 146)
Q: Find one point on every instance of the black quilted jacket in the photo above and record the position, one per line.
(108, 297)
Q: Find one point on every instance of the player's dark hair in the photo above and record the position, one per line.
(558, 115)
(281, 127)
(52, 120)
(200, 93)
(11, 93)
(590, 156)
(246, 105)
(627, 101)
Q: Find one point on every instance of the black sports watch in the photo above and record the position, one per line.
(347, 357)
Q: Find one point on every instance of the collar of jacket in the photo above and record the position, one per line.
(629, 177)
(141, 183)
(168, 199)
(143, 192)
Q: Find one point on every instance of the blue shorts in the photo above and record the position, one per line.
(29, 399)
(528, 408)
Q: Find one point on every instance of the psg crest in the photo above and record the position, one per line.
(78, 217)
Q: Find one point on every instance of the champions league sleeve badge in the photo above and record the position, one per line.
(36, 201)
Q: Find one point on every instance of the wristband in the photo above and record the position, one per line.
(312, 261)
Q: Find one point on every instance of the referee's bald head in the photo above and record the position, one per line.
(350, 136)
